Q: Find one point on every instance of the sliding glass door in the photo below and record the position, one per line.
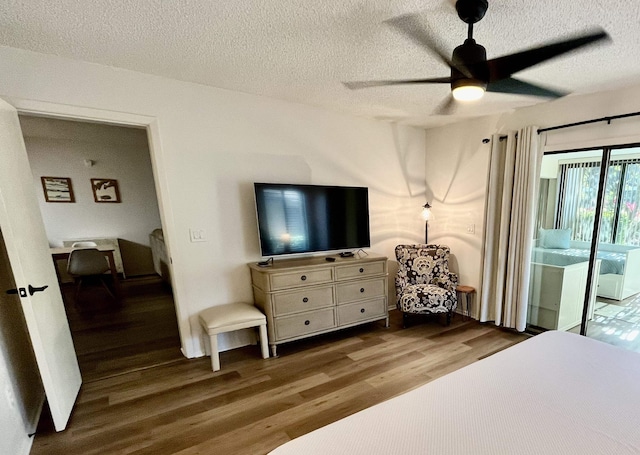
(616, 313)
(561, 277)
(578, 283)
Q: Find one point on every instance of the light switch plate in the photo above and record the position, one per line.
(197, 235)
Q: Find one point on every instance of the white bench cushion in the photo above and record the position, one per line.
(231, 314)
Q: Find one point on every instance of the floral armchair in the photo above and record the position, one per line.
(424, 284)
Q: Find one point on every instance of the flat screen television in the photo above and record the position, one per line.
(295, 219)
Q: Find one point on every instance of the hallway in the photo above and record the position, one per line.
(112, 339)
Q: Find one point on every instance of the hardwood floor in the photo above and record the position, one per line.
(253, 405)
(112, 339)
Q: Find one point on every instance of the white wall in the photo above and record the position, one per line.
(58, 148)
(456, 176)
(212, 144)
(457, 161)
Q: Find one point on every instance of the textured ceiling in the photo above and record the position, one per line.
(301, 51)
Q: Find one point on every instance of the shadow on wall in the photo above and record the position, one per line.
(415, 181)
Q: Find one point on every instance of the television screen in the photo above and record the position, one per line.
(311, 218)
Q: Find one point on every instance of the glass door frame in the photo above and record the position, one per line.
(595, 237)
(605, 162)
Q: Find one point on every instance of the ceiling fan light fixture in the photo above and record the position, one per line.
(468, 92)
(471, 73)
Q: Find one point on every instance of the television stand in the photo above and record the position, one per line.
(310, 296)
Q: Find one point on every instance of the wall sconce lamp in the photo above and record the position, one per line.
(426, 215)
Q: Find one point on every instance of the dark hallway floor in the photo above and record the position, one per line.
(112, 339)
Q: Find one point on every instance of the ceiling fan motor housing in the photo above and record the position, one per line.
(473, 57)
(471, 73)
(471, 11)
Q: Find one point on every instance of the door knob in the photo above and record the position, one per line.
(33, 290)
(22, 292)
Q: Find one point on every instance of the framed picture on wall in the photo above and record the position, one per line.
(57, 189)
(105, 190)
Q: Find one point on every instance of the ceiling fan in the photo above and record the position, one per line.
(471, 73)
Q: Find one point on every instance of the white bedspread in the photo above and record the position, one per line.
(557, 393)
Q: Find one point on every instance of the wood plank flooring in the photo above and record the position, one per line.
(111, 339)
(253, 405)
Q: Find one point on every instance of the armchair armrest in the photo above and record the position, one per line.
(447, 280)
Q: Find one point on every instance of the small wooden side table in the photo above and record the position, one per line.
(468, 291)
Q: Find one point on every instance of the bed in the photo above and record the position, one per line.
(619, 276)
(612, 261)
(557, 393)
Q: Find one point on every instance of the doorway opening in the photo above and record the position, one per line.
(141, 329)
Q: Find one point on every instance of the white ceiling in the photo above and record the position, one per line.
(301, 50)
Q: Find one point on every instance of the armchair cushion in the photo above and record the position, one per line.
(427, 298)
(424, 283)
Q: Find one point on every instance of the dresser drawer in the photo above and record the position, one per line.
(303, 300)
(345, 272)
(305, 323)
(305, 278)
(367, 309)
(360, 290)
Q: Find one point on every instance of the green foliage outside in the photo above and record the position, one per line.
(581, 211)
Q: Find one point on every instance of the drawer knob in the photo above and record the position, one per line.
(303, 277)
(361, 289)
(361, 310)
(361, 270)
(307, 322)
(305, 300)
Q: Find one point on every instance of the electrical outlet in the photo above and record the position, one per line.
(471, 228)
(197, 235)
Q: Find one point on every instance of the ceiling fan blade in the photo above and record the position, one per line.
(409, 25)
(446, 107)
(355, 85)
(518, 87)
(504, 67)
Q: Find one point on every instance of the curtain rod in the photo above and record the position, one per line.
(585, 122)
(486, 140)
(569, 125)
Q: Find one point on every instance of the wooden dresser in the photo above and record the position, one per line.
(309, 296)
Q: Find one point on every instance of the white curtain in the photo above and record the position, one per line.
(510, 214)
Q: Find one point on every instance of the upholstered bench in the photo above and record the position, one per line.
(229, 317)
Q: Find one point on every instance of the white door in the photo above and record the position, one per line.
(28, 249)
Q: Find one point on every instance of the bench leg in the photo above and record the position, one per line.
(264, 342)
(215, 358)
